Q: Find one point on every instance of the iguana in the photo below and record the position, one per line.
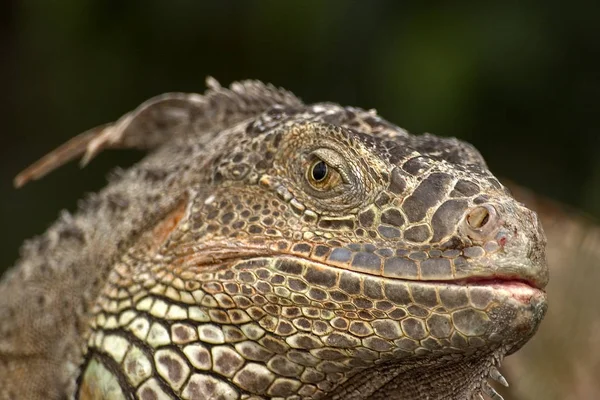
(265, 248)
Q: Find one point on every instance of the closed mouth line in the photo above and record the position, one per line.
(250, 254)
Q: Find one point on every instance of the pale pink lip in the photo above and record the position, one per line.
(521, 291)
(498, 280)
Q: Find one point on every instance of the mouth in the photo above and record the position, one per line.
(519, 289)
(507, 282)
(516, 286)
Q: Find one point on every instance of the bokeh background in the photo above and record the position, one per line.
(521, 81)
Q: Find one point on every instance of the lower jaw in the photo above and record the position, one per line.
(509, 291)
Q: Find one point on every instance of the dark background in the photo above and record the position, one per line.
(520, 80)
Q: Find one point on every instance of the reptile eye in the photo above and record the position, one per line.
(321, 176)
(319, 171)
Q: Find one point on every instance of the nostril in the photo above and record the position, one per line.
(481, 222)
(478, 217)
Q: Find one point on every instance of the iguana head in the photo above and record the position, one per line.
(404, 247)
(268, 248)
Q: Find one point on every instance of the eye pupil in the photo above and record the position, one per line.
(319, 171)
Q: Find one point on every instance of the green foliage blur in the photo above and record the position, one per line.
(520, 81)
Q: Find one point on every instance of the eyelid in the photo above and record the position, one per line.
(335, 161)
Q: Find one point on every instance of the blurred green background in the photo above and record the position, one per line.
(521, 81)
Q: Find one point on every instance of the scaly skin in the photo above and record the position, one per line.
(268, 249)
